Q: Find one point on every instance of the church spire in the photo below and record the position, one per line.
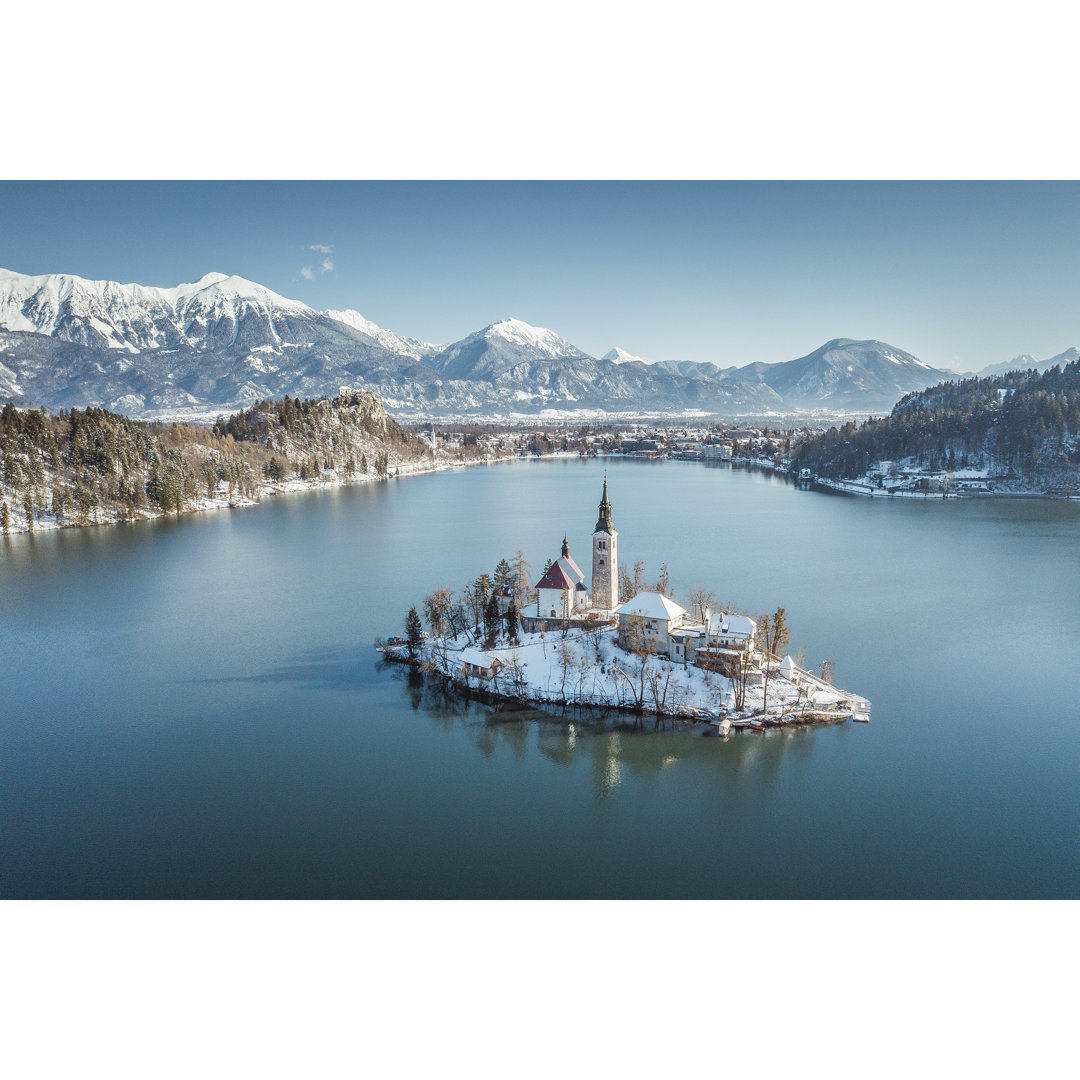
(603, 522)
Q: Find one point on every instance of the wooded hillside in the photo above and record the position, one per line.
(91, 466)
(1022, 425)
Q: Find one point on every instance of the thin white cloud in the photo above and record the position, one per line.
(310, 273)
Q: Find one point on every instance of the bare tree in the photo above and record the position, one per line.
(565, 657)
(437, 606)
(663, 582)
(658, 679)
(521, 576)
(634, 681)
(584, 667)
(774, 636)
(740, 671)
(701, 600)
(516, 676)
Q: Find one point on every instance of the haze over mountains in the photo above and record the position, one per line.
(224, 342)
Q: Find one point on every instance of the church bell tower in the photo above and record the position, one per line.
(605, 558)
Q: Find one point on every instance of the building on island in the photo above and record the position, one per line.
(561, 592)
(562, 598)
(605, 559)
(648, 621)
(656, 624)
(480, 664)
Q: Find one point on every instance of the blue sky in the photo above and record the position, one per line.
(960, 274)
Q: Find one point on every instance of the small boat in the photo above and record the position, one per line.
(860, 718)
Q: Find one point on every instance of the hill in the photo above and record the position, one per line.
(1021, 431)
(87, 467)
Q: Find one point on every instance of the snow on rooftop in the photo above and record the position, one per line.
(732, 625)
(478, 657)
(650, 605)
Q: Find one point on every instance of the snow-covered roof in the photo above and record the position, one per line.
(573, 571)
(787, 665)
(732, 626)
(650, 605)
(479, 658)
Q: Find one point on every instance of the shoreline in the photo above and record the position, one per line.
(686, 694)
(267, 490)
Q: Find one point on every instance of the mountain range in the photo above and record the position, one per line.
(223, 342)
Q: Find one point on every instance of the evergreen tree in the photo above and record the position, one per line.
(5, 517)
(478, 594)
(503, 574)
(491, 619)
(512, 621)
(413, 632)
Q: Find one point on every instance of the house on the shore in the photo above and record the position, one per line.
(656, 624)
(478, 664)
(737, 632)
(648, 621)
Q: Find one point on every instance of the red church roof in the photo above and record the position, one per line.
(556, 578)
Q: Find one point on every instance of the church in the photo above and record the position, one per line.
(562, 597)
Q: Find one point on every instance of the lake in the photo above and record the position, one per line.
(193, 707)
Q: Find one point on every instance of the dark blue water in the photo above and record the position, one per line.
(193, 708)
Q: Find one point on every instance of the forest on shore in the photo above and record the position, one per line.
(90, 466)
(1023, 426)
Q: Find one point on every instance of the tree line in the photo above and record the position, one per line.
(1024, 423)
(92, 466)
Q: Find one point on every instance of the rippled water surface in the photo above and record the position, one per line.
(193, 708)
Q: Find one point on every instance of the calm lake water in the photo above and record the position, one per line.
(193, 708)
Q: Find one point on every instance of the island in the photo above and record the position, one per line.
(560, 643)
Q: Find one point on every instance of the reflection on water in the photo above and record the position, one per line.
(608, 744)
(194, 708)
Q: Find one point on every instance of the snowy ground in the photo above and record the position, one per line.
(586, 668)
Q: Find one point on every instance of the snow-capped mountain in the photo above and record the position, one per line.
(1026, 361)
(106, 314)
(848, 374)
(224, 342)
(219, 342)
(621, 356)
(387, 339)
(501, 347)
